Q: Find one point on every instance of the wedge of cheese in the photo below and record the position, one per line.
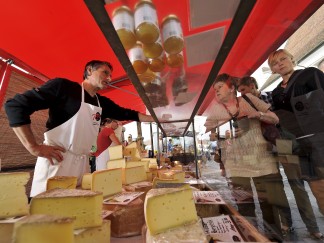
(126, 220)
(133, 174)
(109, 181)
(138, 163)
(86, 181)
(149, 176)
(43, 228)
(83, 205)
(168, 208)
(14, 201)
(151, 160)
(6, 229)
(187, 233)
(117, 163)
(65, 182)
(177, 167)
(157, 180)
(115, 152)
(132, 151)
(174, 174)
(99, 234)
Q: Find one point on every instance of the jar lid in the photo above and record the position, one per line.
(137, 5)
(122, 8)
(170, 16)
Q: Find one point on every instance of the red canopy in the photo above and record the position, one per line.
(57, 38)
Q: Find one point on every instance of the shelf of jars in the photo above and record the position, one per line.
(151, 47)
(170, 58)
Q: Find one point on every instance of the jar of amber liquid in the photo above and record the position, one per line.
(137, 58)
(146, 22)
(174, 60)
(123, 21)
(172, 34)
(153, 50)
(147, 76)
(157, 64)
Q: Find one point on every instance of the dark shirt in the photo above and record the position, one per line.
(304, 83)
(63, 99)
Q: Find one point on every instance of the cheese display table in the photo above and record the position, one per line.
(181, 210)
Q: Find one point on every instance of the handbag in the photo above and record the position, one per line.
(269, 131)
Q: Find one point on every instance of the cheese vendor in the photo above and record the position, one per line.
(75, 112)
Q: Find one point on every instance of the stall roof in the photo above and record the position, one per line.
(57, 38)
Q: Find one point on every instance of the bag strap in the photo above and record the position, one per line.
(249, 101)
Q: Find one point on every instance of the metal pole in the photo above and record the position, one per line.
(158, 145)
(5, 73)
(195, 146)
(151, 133)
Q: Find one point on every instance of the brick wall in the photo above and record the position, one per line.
(14, 157)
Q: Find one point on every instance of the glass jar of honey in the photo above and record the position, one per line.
(137, 58)
(157, 64)
(174, 60)
(147, 76)
(153, 50)
(172, 34)
(146, 22)
(123, 21)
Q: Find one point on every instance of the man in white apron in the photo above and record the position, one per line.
(75, 113)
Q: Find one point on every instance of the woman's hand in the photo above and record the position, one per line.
(254, 114)
(238, 132)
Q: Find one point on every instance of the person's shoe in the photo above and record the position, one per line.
(317, 235)
(285, 230)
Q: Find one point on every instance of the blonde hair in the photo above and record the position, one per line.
(274, 55)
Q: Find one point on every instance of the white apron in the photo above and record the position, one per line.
(102, 159)
(76, 135)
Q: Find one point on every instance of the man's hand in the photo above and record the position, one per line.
(48, 152)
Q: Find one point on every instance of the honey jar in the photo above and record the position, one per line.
(137, 58)
(147, 77)
(174, 60)
(153, 50)
(172, 34)
(123, 21)
(146, 22)
(157, 64)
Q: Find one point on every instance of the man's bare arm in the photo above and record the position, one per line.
(27, 138)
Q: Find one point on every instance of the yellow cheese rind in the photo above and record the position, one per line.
(100, 234)
(86, 181)
(126, 220)
(157, 180)
(117, 163)
(6, 229)
(132, 151)
(168, 208)
(138, 163)
(43, 228)
(174, 174)
(108, 181)
(187, 233)
(83, 205)
(65, 182)
(14, 201)
(133, 174)
(115, 152)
